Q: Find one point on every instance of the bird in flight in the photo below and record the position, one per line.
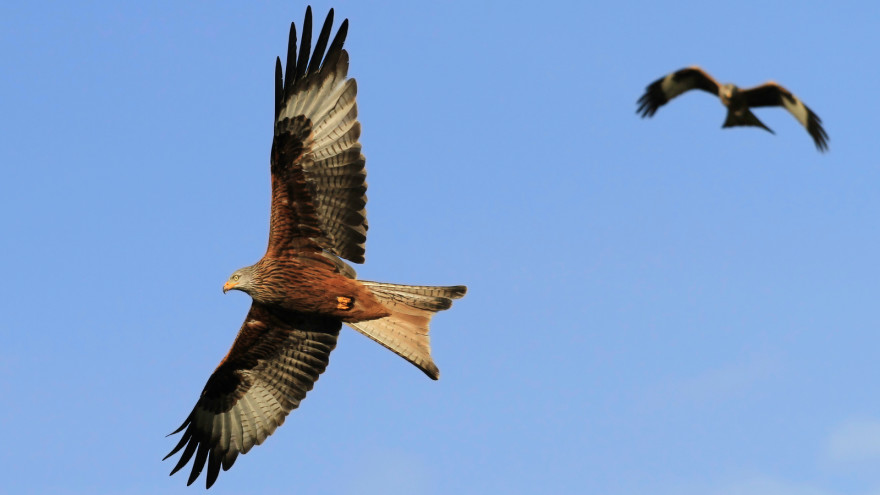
(739, 102)
(302, 290)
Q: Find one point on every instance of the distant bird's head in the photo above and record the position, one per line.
(242, 279)
(727, 92)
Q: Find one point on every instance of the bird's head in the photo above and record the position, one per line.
(727, 92)
(242, 279)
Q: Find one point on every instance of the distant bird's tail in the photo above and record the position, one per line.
(744, 117)
(405, 330)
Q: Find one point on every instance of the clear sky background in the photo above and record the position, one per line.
(655, 306)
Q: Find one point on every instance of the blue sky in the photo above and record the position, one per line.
(655, 306)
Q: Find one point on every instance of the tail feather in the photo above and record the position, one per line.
(405, 330)
(744, 118)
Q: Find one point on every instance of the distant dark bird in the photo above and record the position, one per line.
(738, 101)
(302, 291)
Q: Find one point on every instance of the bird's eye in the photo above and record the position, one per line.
(236, 277)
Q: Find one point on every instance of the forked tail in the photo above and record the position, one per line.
(405, 331)
(744, 118)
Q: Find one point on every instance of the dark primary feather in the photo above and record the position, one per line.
(336, 47)
(279, 84)
(305, 45)
(275, 360)
(291, 52)
(816, 131)
(659, 92)
(315, 64)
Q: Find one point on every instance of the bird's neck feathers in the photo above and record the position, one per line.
(267, 277)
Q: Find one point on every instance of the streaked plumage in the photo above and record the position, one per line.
(302, 290)
(738, 101)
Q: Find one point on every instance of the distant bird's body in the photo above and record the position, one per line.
(738, 111)
(739, 102)
(302, 290)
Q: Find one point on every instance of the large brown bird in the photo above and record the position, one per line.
(738, 101)
(302, 291)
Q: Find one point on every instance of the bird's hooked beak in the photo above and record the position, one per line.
(229, 286)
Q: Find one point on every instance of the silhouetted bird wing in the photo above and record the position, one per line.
(659, 92)
(771, 95)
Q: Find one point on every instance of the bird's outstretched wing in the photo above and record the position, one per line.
(318, 177)
(771, 94)
(275, 360)
(659, 92)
